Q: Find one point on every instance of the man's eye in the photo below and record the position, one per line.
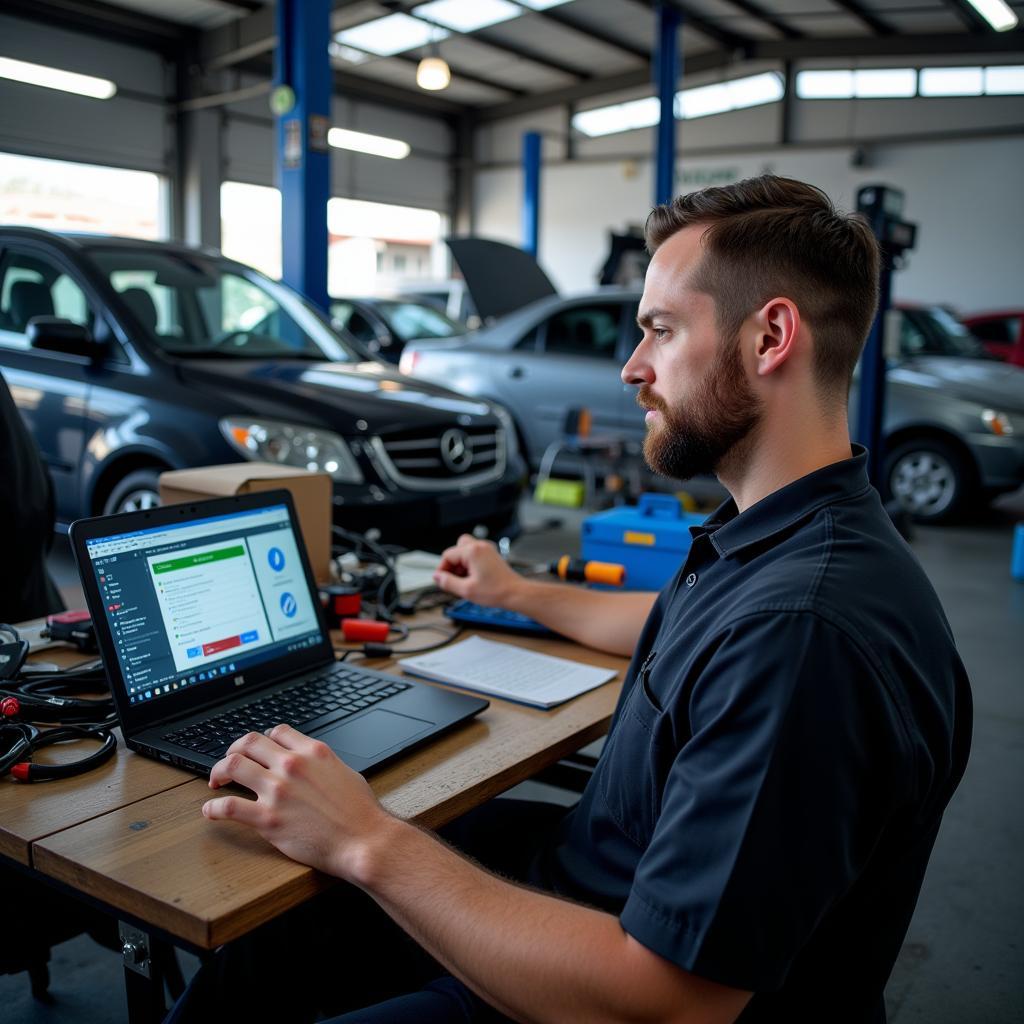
(661, 333)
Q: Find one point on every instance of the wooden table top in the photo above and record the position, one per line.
(143, 847)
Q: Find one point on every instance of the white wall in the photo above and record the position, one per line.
(964, 194)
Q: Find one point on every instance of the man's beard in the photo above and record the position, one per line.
(710, 424)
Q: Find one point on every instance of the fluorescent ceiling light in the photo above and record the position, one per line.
(622, 117)
(884, 83)
(55, 78)
(393, 34)
(1007, 80)
(542, 5)
(467, 15)
(996, 13)
(736, 94)
(951, 82)
(825, 85)
(375, 145)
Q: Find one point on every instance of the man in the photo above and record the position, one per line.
(794, 720)
(27, 517)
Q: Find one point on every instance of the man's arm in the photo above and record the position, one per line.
(605, 620)
(537, 958)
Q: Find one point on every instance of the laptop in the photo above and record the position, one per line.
(209, 626)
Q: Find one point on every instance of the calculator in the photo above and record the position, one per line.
(478, 616)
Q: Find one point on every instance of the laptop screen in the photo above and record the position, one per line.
(191, 602)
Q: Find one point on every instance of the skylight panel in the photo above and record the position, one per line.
(468, 15)
(393, 34)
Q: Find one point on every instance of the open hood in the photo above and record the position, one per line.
(501, 278)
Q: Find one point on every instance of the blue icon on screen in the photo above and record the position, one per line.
(251, 636)
(149, 693)
(202, 677)
(193, 652)
(289, 605)
(275, 556)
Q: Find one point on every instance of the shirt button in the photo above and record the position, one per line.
(691, 579)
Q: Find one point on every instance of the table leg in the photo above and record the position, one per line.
(143, 976)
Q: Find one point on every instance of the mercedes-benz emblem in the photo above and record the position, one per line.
(455, 451)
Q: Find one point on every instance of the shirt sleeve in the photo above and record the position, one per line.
(771, 809)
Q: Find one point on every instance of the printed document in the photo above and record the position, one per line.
(507, 671)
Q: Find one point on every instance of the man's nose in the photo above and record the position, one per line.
(637, 369)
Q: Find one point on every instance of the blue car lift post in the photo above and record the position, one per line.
(303, 170)
(667, 68)
(531, 192)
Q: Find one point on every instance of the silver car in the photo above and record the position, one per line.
(953, 427)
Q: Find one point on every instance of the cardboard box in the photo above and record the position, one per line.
(311, 493)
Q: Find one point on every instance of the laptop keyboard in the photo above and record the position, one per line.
(329, 697)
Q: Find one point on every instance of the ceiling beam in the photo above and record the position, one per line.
(558, 17)
(525, 53)
(866, 17)
(725, 38)
(105, 20)
(571, 94)
(948, 44)
(969, 17)
(758, 12)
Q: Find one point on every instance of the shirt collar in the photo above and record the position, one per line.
(731, 532)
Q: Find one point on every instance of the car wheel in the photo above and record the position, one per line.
(929, 478)
(137, 492)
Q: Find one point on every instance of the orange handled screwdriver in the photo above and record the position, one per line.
(578, 571)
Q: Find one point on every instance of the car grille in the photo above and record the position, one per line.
(443, 459)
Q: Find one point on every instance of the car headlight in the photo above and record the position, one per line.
(509, 426)
(290, 444)
(997, 422)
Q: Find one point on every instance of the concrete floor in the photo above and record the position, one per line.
(963, 961)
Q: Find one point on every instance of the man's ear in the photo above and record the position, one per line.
(777, 324)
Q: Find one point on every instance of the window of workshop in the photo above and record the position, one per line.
(373, 248)
(59, 195)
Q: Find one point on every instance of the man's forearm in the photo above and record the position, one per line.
(606, 620)
(535, 957)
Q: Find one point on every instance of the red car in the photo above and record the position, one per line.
(1002, 334)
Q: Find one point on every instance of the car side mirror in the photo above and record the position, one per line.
(54, 334)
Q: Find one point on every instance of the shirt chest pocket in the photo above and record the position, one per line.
(633, 764)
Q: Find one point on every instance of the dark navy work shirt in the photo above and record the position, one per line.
(793, 723)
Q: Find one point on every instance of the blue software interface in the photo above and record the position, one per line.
(194, 601)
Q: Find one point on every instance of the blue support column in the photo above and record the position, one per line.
(871, 389)
(667, 69)
(303, 164)
(531, 192)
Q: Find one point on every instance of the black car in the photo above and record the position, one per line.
(383, 326)
(128, 358)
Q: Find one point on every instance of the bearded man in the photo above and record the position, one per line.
(795, 716)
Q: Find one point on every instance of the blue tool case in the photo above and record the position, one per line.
(650, 539)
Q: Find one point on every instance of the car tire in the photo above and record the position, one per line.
(138, 491)
(929, 478)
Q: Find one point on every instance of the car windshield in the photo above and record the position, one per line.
(935, 332)
(410, 320)
(193, 305)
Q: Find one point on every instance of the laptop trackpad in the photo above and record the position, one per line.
(373, 733)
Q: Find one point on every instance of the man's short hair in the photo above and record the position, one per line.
(772, 236)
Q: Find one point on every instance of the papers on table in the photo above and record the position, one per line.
(507, 671)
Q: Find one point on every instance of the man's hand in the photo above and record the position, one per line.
(473, 569)
(309, 804)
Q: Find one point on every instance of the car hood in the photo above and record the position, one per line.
(500, 277)
(989, 383)
(335, 395)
